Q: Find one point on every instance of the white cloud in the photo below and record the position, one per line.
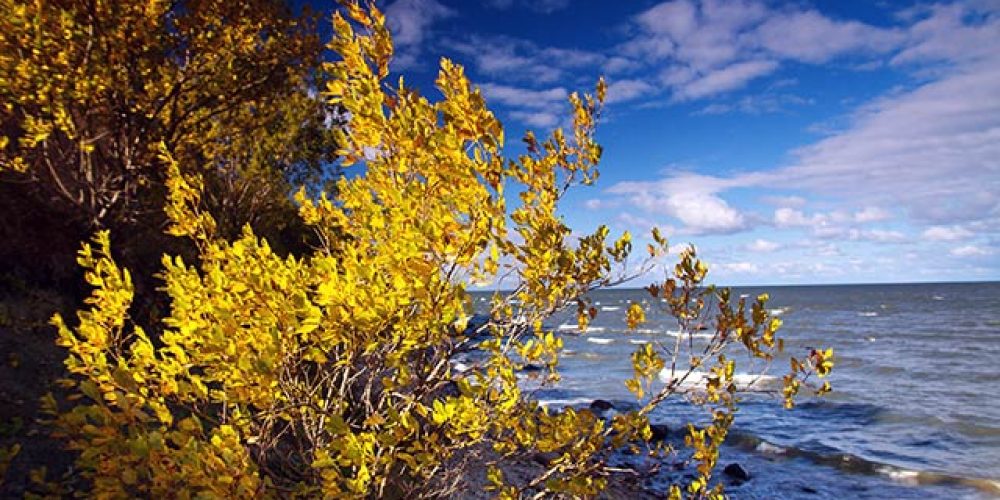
(789, 217)
(943, 33)
(618, 64)
(627, 90)
(931, 152)
(871, 214)
(410, 21)
(785, 201)
(689, 199)
(724, 79)
(521, 61)
(537, 119)
(756, 104)
(709, 47)
(736, 268)
(947, 233)
(877, 235)
(523, 98)
(537, 108)
(762, 245)
(970, 251)
(812, 37)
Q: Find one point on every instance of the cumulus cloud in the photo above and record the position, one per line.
(947, 233)
(410, 20)
(514, 60)
(763, 246)
(809, 36)
(932, 152)
(723, 79)
(709, 47)
(970, 251)
(627, 90)
(536, 108)
(756, 104)
(871, 214)
(736, 268)
(689, 199)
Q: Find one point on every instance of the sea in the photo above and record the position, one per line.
(915, 407)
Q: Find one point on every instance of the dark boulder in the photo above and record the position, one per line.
(660, 432)
(601, 406)
(736, 471)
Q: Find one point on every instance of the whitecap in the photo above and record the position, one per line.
(901, 475)
(638, 341)
(937, 297)
(868, 314)
(770, 449)
(599, 340)
(744, 295)
(564, 401)
(777, 312)
(610, 308)
(568, 327)
(696, 379)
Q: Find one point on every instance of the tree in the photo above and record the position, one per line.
(328, 373)
(91, 88)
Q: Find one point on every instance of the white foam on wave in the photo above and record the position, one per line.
(610, 308)
(697, 335)
(901, 475)
(937, 297)
(564, 401)
(777, 312)
(596, 329)
(770, 449)
(599, 340)
(638, 341)
(698, 379)
(568, 327)
(868, 314)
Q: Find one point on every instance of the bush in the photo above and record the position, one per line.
(91, 89)
(328, 373)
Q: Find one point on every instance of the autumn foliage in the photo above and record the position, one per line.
(328, 373)
(90, 90)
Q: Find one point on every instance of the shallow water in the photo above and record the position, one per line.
(915, 411)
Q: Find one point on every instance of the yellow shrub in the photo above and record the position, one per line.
(329, 374)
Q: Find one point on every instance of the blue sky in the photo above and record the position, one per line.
(827, 142)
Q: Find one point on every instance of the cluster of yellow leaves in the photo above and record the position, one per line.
(89, 89)
(329, 374)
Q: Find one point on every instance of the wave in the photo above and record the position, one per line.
(610, 308)
(743, 381)
(599, 340)
(778, 311)
(565, 327)
(868, 314)
(564, 401)
(638, 341)
(847, 462)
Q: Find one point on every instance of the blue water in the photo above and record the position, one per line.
(915, 411)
